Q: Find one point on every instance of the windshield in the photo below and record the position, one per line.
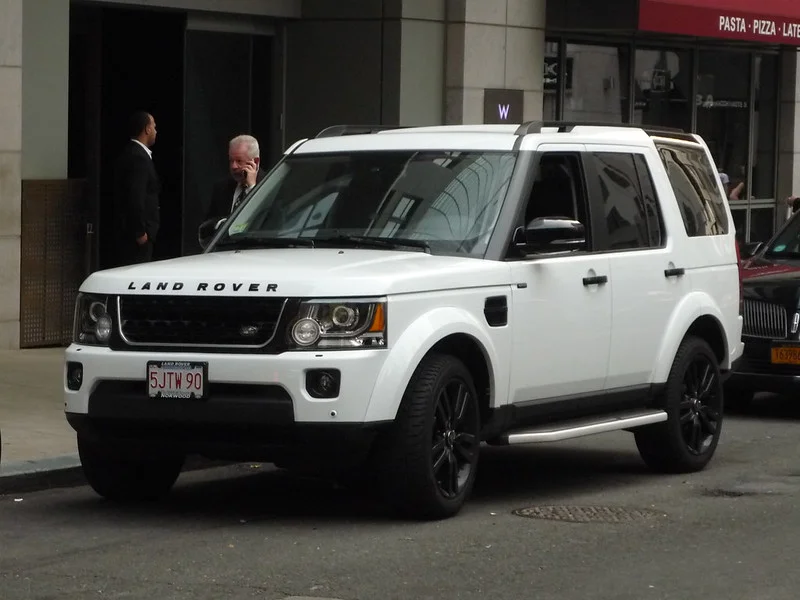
(787, 243)
(439, 202)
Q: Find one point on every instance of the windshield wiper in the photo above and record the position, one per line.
(258, 241)
(376, 242)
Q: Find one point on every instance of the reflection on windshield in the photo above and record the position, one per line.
(448, 202)
(787, 243)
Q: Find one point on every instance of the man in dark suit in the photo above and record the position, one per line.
(245, 173)
(136, 190)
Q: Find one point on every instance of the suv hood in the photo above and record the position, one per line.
(302, 272)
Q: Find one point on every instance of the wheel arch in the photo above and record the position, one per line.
(447, 331)
(696, 315)
(709, 328)
(470, 352)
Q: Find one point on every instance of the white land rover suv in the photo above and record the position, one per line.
(386, 301)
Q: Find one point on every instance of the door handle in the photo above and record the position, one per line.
(596, 280)
(677, 272)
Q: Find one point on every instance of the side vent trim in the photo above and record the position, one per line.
(496, 311)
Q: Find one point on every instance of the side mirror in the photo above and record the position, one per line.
(750, 249)
(551, 234)
(207, 230)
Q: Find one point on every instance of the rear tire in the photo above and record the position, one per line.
(687, 440)
(123, 474)
(428, 460)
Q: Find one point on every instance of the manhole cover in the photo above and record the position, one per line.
(588, 514)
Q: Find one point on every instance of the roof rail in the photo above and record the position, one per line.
(337, 130)
(565, 126)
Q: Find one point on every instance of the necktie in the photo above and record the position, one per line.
(240, 197)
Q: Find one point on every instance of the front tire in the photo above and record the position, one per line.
(428, 461)
(687, 440)
(125, 475)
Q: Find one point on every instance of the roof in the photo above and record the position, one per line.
(522, 136)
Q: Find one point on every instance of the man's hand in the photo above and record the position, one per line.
(249, 170)
(142, 240)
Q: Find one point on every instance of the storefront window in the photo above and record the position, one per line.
(766, 120)
(597, 83)
(663, 84)
(722, 97)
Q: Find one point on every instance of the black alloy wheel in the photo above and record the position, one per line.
(693, 398)
(701, 406)
(428, 459)
(455, 442)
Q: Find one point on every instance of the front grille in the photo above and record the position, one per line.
(764, 320)
(198, 321)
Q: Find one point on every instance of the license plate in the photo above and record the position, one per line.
(176, 379)
(789, 355)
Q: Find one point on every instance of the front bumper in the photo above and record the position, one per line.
(754, 372)
(254, 400)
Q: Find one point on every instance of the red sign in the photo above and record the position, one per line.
(766, 21)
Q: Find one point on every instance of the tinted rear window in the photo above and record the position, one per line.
(694, 182)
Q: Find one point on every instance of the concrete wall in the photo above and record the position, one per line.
(422, 62)
(497, 44)
(10, 168)
(45, 89)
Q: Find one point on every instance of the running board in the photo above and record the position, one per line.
(567, 430)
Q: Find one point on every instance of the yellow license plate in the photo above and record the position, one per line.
(786, 356)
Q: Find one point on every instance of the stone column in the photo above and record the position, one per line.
(10, 166)
(493, 45)
(788, 134)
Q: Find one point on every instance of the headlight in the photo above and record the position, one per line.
(346, 323)
(93, 324)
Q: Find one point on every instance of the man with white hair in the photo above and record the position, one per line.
(243, 164)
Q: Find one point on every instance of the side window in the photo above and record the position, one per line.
(655, 222)
(694, 181)
(559, 190)
(624, 211)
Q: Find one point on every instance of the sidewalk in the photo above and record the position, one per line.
(35, 434)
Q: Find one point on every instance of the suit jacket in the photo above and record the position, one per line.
(222, 196)
(136, 191)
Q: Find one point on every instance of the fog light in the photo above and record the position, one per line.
(323, 383)
(74, 376)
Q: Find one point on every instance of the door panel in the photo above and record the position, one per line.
(562, 327)
(647, 282)
(562, 306)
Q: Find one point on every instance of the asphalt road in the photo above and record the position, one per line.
(730, 532)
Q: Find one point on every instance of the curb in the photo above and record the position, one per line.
(36, 475)
(65, 471)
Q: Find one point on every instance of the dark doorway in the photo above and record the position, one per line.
(202, 87)
(143, 69)
(124, 60)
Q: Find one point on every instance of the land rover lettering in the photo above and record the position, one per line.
(204, 286)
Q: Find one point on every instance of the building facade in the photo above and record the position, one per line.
(72, 70)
